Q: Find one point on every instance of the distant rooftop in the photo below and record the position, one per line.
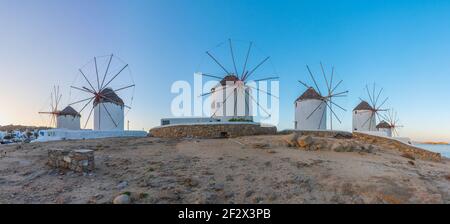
(69, 111)
(309, 94)
(363, 106)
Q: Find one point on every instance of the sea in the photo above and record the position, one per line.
(444, 150)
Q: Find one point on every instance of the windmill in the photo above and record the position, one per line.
(311, 107)
(366, 113)
(393, 120)
(232, 98)
(105, 88)
(55, 99)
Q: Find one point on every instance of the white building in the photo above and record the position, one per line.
(231, 100)
(384, 127)
(108, 111)
(68, 118)
(310, 111)
(64, 134)
(364, 118)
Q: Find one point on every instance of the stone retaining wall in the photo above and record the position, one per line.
(220, 130)
(317, 133)
(398, 145)
(81, 160)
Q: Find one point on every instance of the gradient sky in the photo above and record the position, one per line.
(403, 46)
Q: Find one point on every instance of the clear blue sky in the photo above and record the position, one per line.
(404, 46)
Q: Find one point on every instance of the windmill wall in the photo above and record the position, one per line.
(227, 103)
(359, 121)
(317, 121)
(68, 122)
(387, 131)
(103, 121)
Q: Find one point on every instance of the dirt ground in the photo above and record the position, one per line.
(255, 169)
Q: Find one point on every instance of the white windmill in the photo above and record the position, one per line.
(391, 123)
(311, 106)
(384, 128)
(55, 99)
(365, 115)
(104, 80)
(232, 98)
(68, 118)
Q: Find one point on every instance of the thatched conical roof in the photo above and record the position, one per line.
(383, 124)
(363, 106)
(109, 96)
(229, 78)
(69, 111)
(309, 94)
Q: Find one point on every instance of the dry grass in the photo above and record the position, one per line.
(447, 177)
(408, 156)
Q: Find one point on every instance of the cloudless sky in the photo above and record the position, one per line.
(403, 46)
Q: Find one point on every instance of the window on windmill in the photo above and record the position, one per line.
(218, 104)
(212, 105)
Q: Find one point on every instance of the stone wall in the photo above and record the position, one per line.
(398, 145)
(319, 133)
(219, 130)
(81, 160)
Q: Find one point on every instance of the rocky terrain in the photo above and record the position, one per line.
(254, 169)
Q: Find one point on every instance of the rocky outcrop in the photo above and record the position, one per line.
(319, 133)
(314, 143)
(394, 144)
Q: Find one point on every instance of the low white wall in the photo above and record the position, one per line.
(64, 134)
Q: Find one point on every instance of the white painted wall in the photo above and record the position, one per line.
(2, 134)
(238, 103)
(304, 108)
(65, 134)
(103, 122)
(388, 131)
(68, 122)
(359, 121)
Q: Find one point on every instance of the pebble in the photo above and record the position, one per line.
(218, 187)
(122, 199)
(122, 185)
(249, 193)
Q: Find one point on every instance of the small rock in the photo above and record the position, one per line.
(291, 139)
(305, 141)
(229, 195)
(261, 146)
(122, 199)
(191, 182)
(218, 187)
(249, 193)
(122, 185)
